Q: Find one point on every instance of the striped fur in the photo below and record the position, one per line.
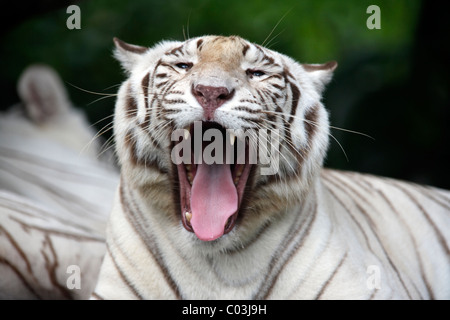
(39, 246)
(321, 251)
(304, 233)
(55, 194)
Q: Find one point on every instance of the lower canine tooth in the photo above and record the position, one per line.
(228, 223)
(232, 139)
(188, 216)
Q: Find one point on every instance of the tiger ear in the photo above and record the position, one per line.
(43, 94)
(128, 54)
(321, 74)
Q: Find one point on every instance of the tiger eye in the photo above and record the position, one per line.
(255, 73)
(184, 65)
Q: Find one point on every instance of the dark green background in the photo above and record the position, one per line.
(392, 84)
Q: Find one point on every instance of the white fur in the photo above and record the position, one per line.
(322, 230)
(55, 193)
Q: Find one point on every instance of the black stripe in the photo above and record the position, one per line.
(167, 66)
(59, 233)
(352, 191)
(52, 266)
(245, 49)
(246, 109)
(330, 279)
(17, 248)
(131, 144)
(151, 81)
(288, 124)
(413, 240)
(199, 44)
(131, 212)
(122, 275)
(260, 95)
(145, 85)
(176, 51)
(297, 236)
(20, 276)
(311, 124)
(175, 92)
(426, 215)
(342, 203)
(174, 101)
(269, 60)
(364, 182)
(145, 125)
(435, 196)
(96, 296)
(131, 106)
(295, 100)
(161, 84)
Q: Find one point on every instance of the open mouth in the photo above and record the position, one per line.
(211, 192)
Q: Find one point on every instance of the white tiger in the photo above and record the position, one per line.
(228, 231)
(55, 194)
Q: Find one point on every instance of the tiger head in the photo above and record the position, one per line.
(190, 110)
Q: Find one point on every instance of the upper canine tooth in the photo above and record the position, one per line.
(188, 216)
(232, 138)
(186, 134)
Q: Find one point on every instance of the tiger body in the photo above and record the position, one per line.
(303, 232)
(55, 194)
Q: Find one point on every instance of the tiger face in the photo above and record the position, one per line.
(255, 112)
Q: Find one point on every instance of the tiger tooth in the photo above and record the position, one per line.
(228, 222)
(188, 216)
(232, 138)
(190, 177)
(186, 134)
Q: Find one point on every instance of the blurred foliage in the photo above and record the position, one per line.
(375, 90)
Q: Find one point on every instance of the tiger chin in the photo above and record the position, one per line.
(186, 227)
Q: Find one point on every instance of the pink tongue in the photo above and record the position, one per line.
(213, 200)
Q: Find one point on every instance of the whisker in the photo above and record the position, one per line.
(92, 92)
(280, 177)
(188, 22)
(97, 100)
(290, 144)
(101, 132)
(273, 29)
(113, 86)
(303, 119)
(107, 146)
(103, 119)
(280, 114)
(334, 138)
(342, 148)
(269, 43)
(352, 131)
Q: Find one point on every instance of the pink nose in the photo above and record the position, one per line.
(211, 98)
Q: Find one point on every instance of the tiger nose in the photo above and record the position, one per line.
(211, 98)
